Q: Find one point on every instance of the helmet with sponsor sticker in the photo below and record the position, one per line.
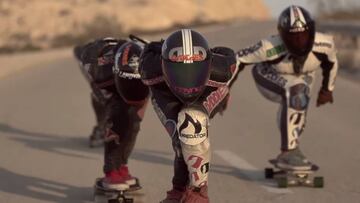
(297, 30)
(186, 59)
(100, 57)
(126, 70)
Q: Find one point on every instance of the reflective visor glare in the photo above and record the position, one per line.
(187, 75)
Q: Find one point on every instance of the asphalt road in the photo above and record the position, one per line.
(45, 119)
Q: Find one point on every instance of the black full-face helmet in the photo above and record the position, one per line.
(101, 57)
(126, 72)
(297, 30)
(186, 60)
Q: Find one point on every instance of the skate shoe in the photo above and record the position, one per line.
(293, 160)
(174, 195)
(113, 181)
(97, 137)
(130, 180)
(196, 195)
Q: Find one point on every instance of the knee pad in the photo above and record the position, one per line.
(299, 97)
(192, 130)
(192, 126)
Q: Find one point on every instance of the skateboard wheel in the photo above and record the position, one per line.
(282, 182)
(269, 173)
(319, 182)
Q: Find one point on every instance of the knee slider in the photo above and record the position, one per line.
(299, 97)
(192, 126)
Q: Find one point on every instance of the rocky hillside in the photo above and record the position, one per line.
(38, 24)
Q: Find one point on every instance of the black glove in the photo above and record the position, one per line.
(150, 60)
(154, 47)
(223, 51)
(226, 54)
(325, 96)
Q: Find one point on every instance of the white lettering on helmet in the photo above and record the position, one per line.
(178, 54)
(187, 44)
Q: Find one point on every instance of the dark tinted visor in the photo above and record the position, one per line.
(298, 43)
(186, 78)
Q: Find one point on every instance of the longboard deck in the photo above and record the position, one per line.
(294, 171)
(102, 195)
(288, 177)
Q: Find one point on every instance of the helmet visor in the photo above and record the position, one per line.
(299, 43)
(186, 80)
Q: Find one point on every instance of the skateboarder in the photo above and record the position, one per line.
(189, 83)
(284, 72)
(111, 67)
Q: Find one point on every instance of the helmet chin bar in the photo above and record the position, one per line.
(185, 95)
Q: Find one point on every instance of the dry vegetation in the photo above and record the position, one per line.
(38, 24)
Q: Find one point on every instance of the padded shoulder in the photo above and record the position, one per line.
(324, 43)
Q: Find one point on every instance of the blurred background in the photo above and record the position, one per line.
(46, 115)
(28, 25)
